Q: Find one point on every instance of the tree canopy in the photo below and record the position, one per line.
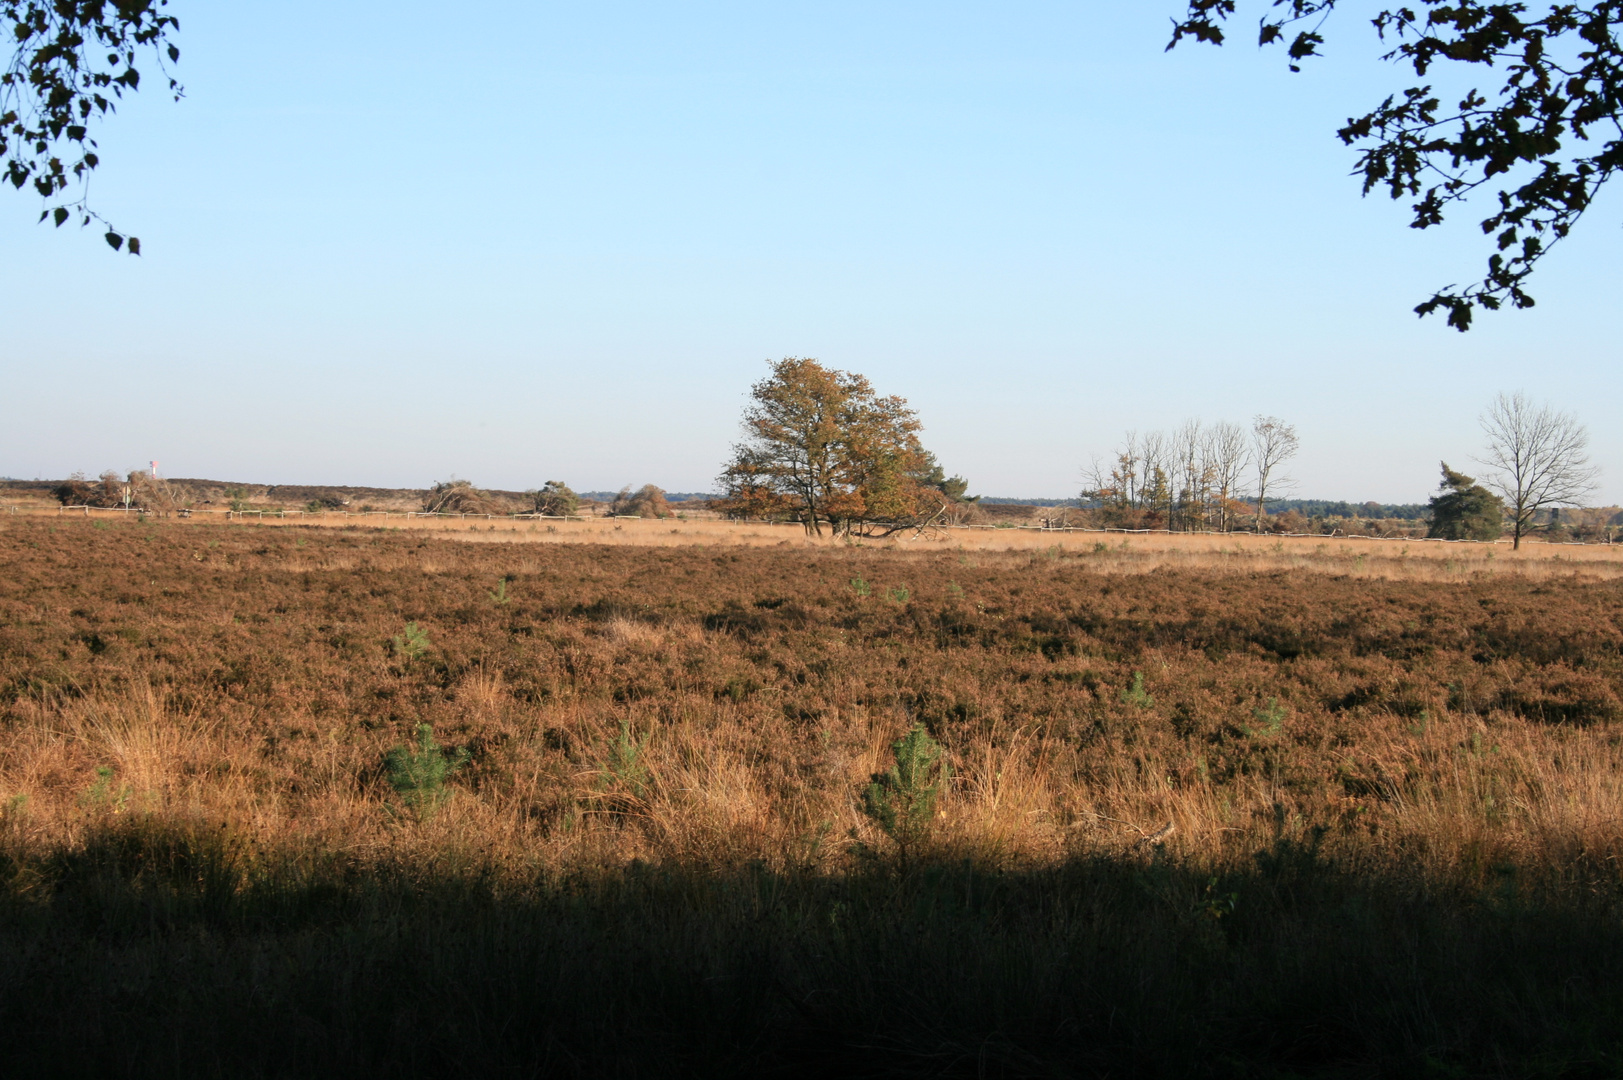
(822, 448)
(72, 61)
(1547, 138)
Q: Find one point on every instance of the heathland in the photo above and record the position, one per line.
(278, 800)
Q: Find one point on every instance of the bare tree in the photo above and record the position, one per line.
(1191, 476)
(1155, 478)
(1273, 442)
(1192, 459)
(1537, 457)
(1230, 456)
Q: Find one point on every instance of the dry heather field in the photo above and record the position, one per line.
(1216, 806)
(1129, 552)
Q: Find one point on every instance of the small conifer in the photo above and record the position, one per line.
(1465, 510)
(902, 801)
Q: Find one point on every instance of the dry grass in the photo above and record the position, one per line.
(284, 756)
(1349, 750)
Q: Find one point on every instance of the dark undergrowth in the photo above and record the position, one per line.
(156, 950)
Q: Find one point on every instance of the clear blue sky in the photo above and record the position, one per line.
(388, 243)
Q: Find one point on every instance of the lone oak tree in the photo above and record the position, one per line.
(822, 448)
(1549, 134)
(72, 61)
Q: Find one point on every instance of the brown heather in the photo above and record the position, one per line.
(1395, 800)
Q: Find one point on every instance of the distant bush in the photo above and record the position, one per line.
(460, 497)
(1290, 521)
(151, 493)
(140, 490)
(647, 501)
(76, 490)
(555, 499)
(1384, 527)
(328, 501)
(1593, 525)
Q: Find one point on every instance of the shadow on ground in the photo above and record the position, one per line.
(169, 950)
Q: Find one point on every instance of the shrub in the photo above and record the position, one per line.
(459, 497)
(555, 499)
(74, 491)
(151, 493)
(106, 491)
(104, 794)
(1288, 521)
(647, 501)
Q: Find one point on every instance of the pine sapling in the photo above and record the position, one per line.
(902, 801)
(1135, 694)
(1270, 720)
(412, 644)
(418, 775)
(625, 767)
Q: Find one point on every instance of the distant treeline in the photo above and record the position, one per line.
(999, 500)
(1309, 508)
(1312, 508)
(335, 496)
(670, 496)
